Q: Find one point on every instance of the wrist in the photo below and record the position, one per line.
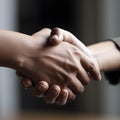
(96, 56)
(30, 52)
(33, 48)
(13, 48)
(27, 52)
(106, 55)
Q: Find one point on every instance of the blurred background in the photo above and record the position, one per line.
(91, 21)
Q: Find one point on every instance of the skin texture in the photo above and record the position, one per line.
(62, 68)
(86, 63)
(107, 55)
(101, 53)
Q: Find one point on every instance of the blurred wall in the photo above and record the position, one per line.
(109, 27)
(8, 81)
(100, 20)
(87, 30)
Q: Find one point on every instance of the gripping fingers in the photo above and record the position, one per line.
(40, 89)
(75, 85)
(52, 94)
(83, 76)
(42, 86)
(66, 95)
(71, 96)
(91, 67)
(63, 97)
(58, 35)
(26, 83)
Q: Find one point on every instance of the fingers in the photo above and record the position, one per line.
(83, 76)
(19, 74)
(58, 35)
(75, 85)
(90, 65)
(26, 83)
(71, 96)
(40, 88)
(59, 96)
(52, 94)
(63, 97)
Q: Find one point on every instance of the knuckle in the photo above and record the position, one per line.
(56, 28)
(48, 29)
(76, 67)
(68, 78)
(94, 70)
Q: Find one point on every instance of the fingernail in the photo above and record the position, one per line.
(26, 84)
(41, 88)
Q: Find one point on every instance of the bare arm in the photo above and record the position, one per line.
(107, 55)
(36, 60)
(14, 47)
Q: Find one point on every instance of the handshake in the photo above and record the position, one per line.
(54, 64)
(59, 67)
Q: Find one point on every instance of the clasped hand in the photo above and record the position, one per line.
(59, 67)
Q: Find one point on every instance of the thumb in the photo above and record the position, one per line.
(56, 36)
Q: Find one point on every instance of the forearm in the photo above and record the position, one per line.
(107, 55)
(13, 48)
